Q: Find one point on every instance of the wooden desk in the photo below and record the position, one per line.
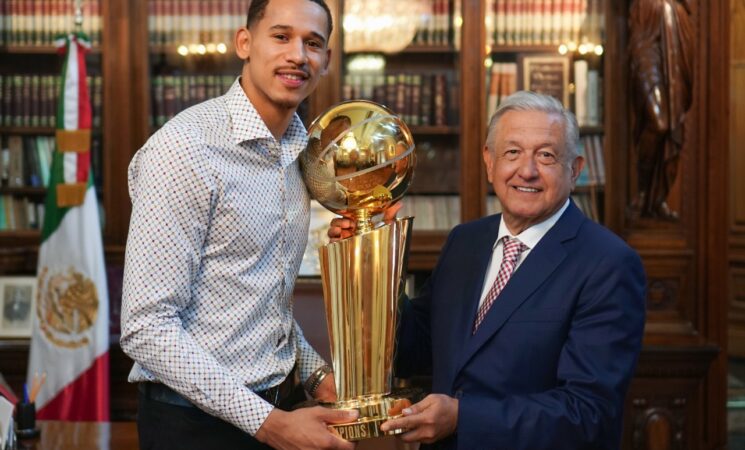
(83, 436)
(123, 436)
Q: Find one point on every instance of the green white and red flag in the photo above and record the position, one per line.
(70, 338)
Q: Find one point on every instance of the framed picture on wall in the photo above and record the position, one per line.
(545, 74)
(17, 300)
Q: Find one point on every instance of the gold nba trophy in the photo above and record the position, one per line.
(359, 160)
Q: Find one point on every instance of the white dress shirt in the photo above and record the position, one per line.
(530, 237)
(218, 228)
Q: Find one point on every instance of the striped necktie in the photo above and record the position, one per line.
(511, 250)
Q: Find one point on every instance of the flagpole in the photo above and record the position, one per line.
(70, 337)
(78, 15)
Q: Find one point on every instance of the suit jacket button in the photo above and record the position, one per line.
(458, 393)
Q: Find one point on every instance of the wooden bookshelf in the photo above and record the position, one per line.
(415, 50)
(500, 49)
(38, 49)
(28, 131)
(23, 236)
(24, 191)
(429, 49)
(587, 129)
(172, 49)
(588, 189)
(434, 130)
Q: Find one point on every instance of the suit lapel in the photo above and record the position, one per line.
(475, 264)
(541, 262)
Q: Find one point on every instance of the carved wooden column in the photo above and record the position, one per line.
(667, 194)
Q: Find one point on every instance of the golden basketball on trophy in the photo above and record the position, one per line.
(360, 160)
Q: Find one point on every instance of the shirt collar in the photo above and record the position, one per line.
(248, 125)
(533, 234)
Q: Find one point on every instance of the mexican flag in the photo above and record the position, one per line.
(70, 339)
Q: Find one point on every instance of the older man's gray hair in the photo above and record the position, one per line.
(531, 101)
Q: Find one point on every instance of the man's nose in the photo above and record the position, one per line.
(528, 168)
(296, 52)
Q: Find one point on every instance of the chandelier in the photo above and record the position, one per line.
(386, 26)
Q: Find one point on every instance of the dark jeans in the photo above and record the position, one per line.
(163, 426)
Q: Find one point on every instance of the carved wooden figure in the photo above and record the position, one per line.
(660, 51)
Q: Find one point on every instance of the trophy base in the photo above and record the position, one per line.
(373, 412)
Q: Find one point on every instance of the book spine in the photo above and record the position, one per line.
(600, 157)
(46, 23)
(556, 17)
(416, 99)
(35, 101)
(15, 164)
(535, 20)
(593, 97)
(51, 101)
(501, 27)
(4, 164)
(440, 100)
(490, 22)
(492, 98)
(400, 103)
(3, 21)
(3, 106)
(581, 92)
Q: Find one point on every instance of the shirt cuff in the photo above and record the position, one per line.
(248, 411)
(309, 364)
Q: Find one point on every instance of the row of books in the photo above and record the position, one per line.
(176, 22)
(26, 161)
(587, 202)
(591, 148)
(432, 212)
(420, 98)
(543, 22)
(39, 22)
(442, 212)
(501, 81)
(30, 100)
(20, 213)
(174, 93)
(437, 166)
(437, 27)
(588, 94)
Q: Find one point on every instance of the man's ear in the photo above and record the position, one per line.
(242, 43)
(577, 165)
(328, 62)
(488, 162)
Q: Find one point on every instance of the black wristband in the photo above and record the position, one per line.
(315, 379)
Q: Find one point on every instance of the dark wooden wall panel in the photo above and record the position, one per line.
(737, 181)
(671, 301)
(677, 400)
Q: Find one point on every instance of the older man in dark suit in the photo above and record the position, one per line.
(532, 321)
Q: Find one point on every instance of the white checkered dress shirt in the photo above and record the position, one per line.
(219, 224)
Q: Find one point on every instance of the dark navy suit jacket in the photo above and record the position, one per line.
(550, 365)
